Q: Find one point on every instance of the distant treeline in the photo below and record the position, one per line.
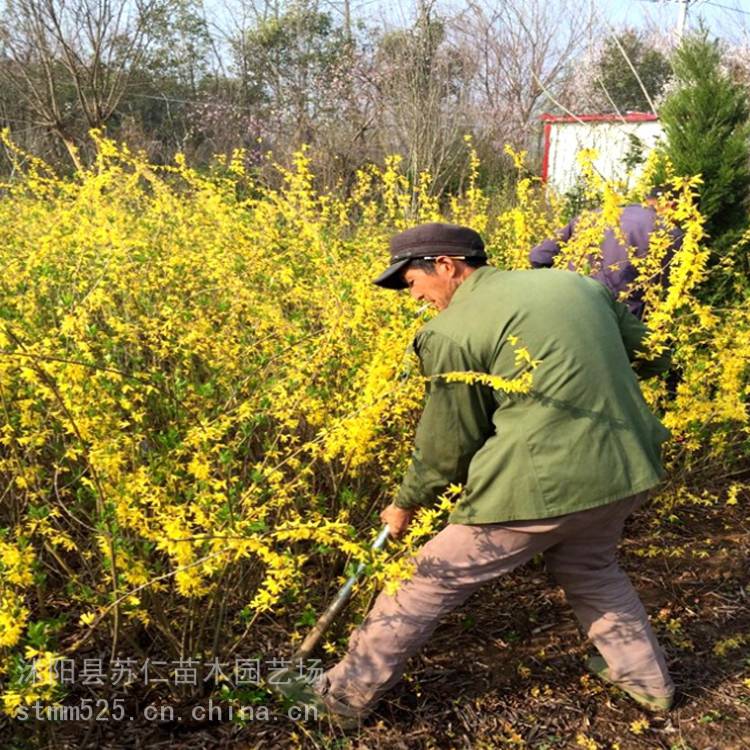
(167, 76)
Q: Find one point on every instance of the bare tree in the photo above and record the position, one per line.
(522, 50)
(418, 86)
(70, 60)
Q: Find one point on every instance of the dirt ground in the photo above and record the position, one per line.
(506, 670)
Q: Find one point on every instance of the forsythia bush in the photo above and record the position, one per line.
(205, 400)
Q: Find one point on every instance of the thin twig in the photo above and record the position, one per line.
(142, 586)
(49, 358)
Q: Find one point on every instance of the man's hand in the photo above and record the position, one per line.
(397, 519)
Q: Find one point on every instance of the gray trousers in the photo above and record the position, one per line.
(579, 551)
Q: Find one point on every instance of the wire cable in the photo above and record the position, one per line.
(726, 7)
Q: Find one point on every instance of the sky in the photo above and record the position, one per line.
(729, 19)
(726, 19)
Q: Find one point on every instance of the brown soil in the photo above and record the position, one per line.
(506, 670)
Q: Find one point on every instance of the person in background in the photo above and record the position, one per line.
(614, 269)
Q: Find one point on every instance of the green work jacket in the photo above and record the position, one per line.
(582, 437)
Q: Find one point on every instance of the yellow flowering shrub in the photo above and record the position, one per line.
(205, 400)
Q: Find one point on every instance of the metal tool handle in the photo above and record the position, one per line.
(337, 604)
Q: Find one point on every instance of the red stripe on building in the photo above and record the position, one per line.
(627, 117)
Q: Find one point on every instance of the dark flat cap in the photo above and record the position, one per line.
(659, 191)
(428, 241)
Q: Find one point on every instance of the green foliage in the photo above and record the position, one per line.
(183, 44)
(290, 60)
(705, 121)
(418, 48)
(578, 199)
(617, 78)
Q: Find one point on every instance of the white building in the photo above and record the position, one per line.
(611, 135)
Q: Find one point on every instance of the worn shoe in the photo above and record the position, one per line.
(597, 666)
(323, 706)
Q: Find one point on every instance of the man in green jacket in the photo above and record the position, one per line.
(553, 471)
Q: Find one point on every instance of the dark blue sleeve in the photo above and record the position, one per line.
(543, 254)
